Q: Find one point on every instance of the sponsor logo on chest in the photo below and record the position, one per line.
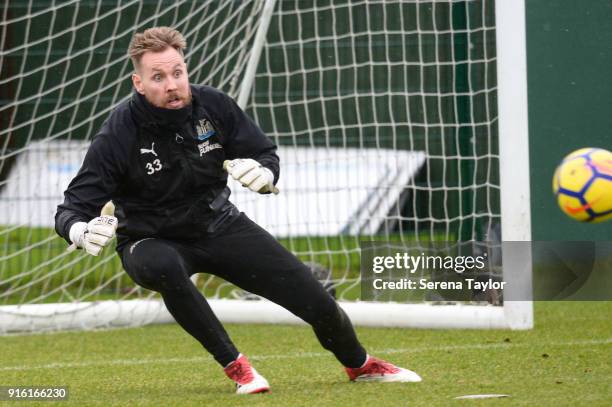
(207, 146)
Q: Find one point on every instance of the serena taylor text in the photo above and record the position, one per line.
(425, 284)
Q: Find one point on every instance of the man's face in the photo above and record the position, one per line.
(162, 78)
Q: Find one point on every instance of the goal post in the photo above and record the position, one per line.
(514, 151)
(400, 121)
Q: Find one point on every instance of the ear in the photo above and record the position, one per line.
(137, 81)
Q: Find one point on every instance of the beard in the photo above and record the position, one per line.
(171, 118)
(176, 100)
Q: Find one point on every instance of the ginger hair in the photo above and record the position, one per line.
(155, 39)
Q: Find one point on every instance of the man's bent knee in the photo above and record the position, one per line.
(155, 265)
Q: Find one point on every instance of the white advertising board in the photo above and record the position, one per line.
(324, 191)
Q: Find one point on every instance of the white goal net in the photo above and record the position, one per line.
(386, 113)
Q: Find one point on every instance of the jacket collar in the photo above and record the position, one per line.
(148, 115)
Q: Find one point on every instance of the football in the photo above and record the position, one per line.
(583, 185)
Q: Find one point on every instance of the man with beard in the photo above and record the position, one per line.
(159, 157)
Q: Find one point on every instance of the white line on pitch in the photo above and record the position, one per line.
(302, 355)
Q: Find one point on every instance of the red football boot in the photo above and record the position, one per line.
(377, 370)
(248, 381)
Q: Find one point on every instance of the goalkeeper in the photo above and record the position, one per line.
(159, 156)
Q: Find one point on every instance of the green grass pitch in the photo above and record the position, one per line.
(565, 360)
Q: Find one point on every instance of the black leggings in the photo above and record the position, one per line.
(246, 255)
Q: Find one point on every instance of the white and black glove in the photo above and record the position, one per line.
(95, 235)
(251, 174)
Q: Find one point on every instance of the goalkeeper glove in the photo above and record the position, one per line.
(95, 235)
(251, 174)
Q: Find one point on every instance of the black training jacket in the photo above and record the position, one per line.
(163, 169)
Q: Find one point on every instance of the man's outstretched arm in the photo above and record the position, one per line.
(78, 219)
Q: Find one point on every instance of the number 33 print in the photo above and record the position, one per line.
(153, 167)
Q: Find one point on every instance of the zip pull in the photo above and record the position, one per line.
(179, 139)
